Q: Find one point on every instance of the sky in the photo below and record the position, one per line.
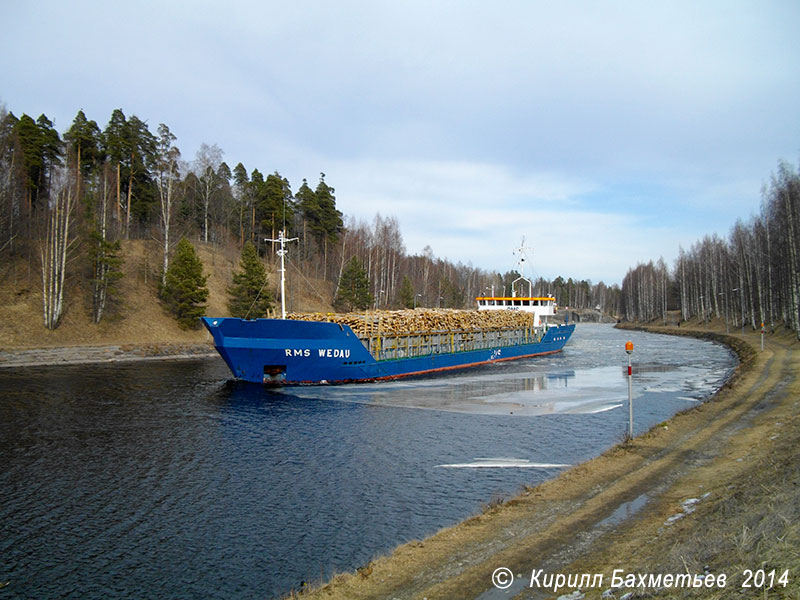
(605, 133)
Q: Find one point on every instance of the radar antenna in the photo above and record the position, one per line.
(522, 256)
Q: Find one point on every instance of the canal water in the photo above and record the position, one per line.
(167, 480)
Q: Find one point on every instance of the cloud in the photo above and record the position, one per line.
(478, 213)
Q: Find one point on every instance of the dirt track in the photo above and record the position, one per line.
(712, 465)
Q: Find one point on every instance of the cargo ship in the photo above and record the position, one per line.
(299, 352)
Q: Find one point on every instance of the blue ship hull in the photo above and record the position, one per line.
(287, 352)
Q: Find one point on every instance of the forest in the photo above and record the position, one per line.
(68, 200)
(750, 279)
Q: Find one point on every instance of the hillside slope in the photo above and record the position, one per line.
(141, 319)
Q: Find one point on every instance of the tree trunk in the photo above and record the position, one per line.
(128, 211)
(53, 255)
(101, 265)
(794, 278)
(206, 201)
(119, 200)
(165, 190)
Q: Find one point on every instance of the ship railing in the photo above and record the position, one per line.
(408, 345)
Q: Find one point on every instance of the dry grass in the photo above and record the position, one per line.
(141, 319)
(750, 518)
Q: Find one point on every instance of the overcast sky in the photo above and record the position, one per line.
(607, 133)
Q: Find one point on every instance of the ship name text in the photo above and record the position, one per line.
(323, 352)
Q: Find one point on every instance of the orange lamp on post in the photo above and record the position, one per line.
(629, 351)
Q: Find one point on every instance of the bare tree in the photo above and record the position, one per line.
(167, 177)
(206, 169)
(752, 278)
(54, 247)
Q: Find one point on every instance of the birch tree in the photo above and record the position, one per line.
(206, 169)
(167, 177)
(54, 248)
(787, 199)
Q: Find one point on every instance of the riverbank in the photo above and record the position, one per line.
(80, 355)
(715, 489)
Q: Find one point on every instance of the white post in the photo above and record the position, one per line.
(630, 398)
(629, 350)
(282, 252)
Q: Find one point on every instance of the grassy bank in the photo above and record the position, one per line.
(718, 485)
(140, 320)
(748, 516)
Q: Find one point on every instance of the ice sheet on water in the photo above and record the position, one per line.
(589, 377)
(503, 463)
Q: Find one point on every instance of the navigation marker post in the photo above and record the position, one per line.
(762, 337)
(629, 351)
(282, 251)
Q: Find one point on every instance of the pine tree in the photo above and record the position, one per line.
(131, 148)
(353, 288)
(306, 208)
(31, 142)
(330, 219)
(144, 151)
(407, 293)
(184, 291)
(52, 152)
(115, 148)
(306, 201)
(274, 204)
(319, 210)
(106, 260)
(83, 138)
(241, 183)
(250, 296)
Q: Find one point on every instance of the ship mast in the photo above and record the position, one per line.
(282, 251)
(521, 262)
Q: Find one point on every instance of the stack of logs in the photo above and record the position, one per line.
(400, 322)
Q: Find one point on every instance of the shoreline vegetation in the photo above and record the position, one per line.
(95, 222)
(713, 490)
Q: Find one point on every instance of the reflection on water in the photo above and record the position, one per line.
(590, 377)
(166, 480)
